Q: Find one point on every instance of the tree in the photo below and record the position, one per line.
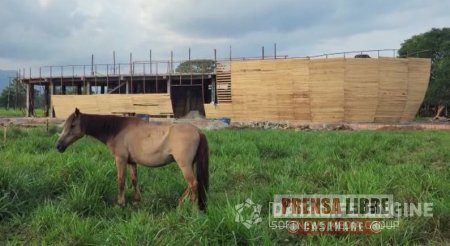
(434, 44)
(13, 96)
(196, 66)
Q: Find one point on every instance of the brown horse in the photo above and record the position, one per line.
(151, 144)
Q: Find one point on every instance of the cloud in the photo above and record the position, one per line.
(42, 32)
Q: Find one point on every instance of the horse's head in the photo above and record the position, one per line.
(72, 131)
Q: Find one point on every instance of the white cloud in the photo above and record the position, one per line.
(44, 3)
(42, 32)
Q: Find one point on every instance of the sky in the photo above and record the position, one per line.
(55, 32)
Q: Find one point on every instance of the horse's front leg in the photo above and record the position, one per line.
(120, 166)
(132, 168)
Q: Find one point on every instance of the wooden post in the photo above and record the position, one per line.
(47, 100)
(130, 86)
(29, 102)
(275, 51)
(92, 65)
(168, 85)
(52, 92)
(213, 90)
(88, 88)
(114, 62)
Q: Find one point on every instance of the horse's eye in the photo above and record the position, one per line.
(72, 126)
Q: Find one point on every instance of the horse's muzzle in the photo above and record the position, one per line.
(60, 147)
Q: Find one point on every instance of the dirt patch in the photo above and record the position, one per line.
(195, 118)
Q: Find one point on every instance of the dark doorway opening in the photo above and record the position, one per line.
(186, 99)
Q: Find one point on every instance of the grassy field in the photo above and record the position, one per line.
(52, 198)
(19, 112)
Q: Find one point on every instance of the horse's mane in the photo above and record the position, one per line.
(103, 127)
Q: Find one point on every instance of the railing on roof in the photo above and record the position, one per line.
(168, 67)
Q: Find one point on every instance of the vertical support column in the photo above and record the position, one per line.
(52, 92)
(130, 86)
(127, 87)
(92, 65)
(88, 87)
(213, 90)
(78, 89)
(47, 103)
(63, 89)
(27, 102)
(275, 51)
(169, 80)
(30, 99)
(114, 62)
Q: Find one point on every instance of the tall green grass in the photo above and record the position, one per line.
(51, 198)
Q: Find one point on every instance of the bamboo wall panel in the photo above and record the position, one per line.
(299, 73)
(246, 94)
(152, 104)
(264, 90)
(361, 90)
(328, 90)
(392, 89)
(283, 89)
(418, 77)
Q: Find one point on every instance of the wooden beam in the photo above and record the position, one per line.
(116, 88)
(88, 87)
(127, 87)
(168, 86)
(47, 103)
(29, 102)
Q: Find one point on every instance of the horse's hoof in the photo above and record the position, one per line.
(135, 203)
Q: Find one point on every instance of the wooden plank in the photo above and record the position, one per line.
(327, 90)
(64, 105)
(392, 92)
(218, 110)
(361, 90)
(418, 78)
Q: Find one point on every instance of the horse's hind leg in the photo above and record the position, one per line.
(132, 168)
(120, 166)
(183, 196)
(188, 174)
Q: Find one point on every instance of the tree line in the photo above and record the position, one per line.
(434, 44)
(14, 96)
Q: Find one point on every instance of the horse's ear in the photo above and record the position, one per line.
(77, 112)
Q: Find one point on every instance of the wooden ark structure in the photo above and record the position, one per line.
(322, 90)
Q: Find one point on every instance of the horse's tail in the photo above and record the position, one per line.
(202, 171)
